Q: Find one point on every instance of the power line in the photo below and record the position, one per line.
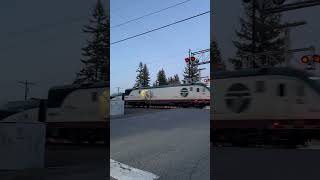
(131, 37)
(149, 14)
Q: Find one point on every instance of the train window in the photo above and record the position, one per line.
(300, 90)
(260, 86)
(94, 96)
(281, 90)
(190, 88)
(198, 90)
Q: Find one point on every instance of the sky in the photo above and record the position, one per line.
(40, 41)
(166, 48)
(225, 20)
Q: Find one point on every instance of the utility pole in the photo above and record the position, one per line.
(118, 89)
(254, 4)
(190, 78)
(26, 87)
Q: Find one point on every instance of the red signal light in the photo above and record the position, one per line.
(316, 58)
(193, 58)
(305, 59)
(187, 59)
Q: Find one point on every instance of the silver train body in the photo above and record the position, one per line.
(185, 95)
(266, 105)
(75, 112)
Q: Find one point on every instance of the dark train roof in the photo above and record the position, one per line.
(299, 74)
(14, 107)
(83, 86)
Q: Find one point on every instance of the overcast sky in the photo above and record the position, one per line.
(165, 48)
(40, 41)
(225, 20)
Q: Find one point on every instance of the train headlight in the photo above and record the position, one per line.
(145, 94)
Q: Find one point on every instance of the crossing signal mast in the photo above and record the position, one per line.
(281, 6)
(197, 58)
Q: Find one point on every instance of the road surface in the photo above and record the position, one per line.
(229, 163)
(172, 144)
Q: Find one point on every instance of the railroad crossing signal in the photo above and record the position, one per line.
(307, 59)
(190, 60)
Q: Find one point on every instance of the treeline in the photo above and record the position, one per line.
(143, 77)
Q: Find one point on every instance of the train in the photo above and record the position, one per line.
(79, 113)
(182, 95)
(266, 106)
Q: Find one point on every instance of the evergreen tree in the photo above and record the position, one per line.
(139, 77)
(161, 78)
(155, 83)
(268, 38)
(95, 55)
(215, 55)
(176, 79)
(192, 72)
(170, 80)
(145, 76)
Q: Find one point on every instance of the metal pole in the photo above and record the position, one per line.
(190, 78)
(253, 30)
(26, 90)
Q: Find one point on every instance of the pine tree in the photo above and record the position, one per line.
(176, 79)
(96, 53)
(170, 80)
(161, 78)
(268, 38)
(155, 84)
(192, 72)
(215, 55)
(139, 77)
(145, 76)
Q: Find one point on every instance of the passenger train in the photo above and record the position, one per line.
(75, 112)
(265, 106)
(184, 95)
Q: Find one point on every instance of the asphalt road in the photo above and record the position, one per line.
(172, 144)
(229, 163)
(67, 162)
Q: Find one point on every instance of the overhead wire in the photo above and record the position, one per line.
(156, 29)
(149, 14)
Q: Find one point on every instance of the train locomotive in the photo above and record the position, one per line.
(277, 106)
(182, 95)
(78, 113)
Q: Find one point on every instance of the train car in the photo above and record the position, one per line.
(265, 106)
(75, 112)
(185, 95)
